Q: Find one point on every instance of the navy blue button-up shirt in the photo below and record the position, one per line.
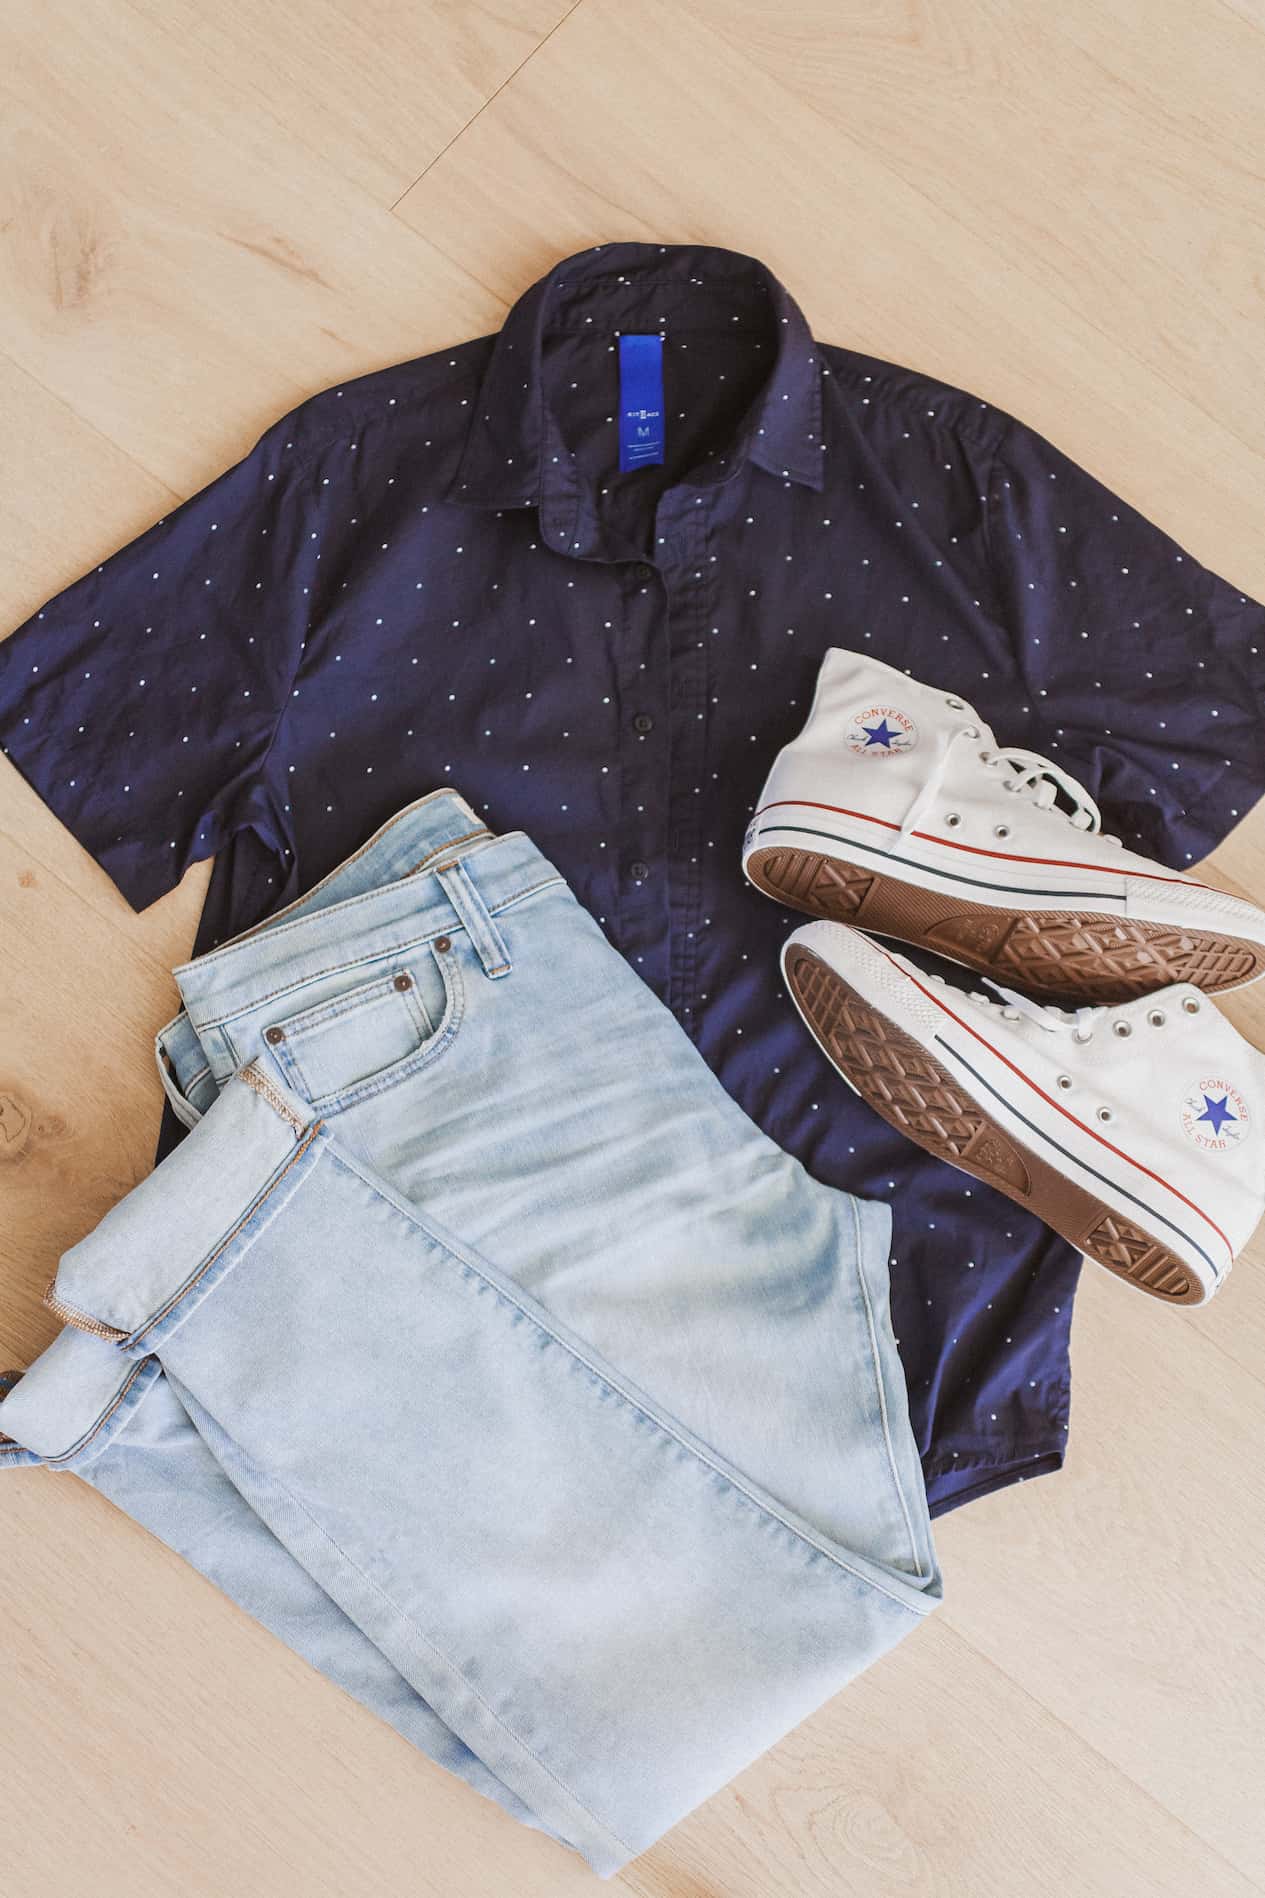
(438, 574)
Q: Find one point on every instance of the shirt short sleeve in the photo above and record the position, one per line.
(140, 702)
(1141, 672)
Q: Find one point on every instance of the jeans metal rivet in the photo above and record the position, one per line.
(443, 944)
(403, 982)
(274, 1035)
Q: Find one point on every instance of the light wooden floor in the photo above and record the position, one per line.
(210, 208)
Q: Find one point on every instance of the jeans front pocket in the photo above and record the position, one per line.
(365, 1036)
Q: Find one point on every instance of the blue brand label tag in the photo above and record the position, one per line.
(640, 401)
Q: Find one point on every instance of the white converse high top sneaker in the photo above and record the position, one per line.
(896, 809)
(1135, 1130)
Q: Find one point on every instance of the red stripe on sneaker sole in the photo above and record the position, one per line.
(1051, 1102)
(976, 850)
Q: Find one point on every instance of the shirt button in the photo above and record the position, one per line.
(643, 722)
(643, 572)
(639, 871)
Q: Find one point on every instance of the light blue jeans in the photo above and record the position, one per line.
(476, 1343)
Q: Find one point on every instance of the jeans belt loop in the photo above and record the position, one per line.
(462, 892)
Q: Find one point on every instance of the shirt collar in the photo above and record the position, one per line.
(514, 454)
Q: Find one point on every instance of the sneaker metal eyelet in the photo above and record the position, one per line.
(1190, 1005)
(1121, 1028)
(1001, 830)
(1157, 1018)
(1104, 1114)
(1064, 1081)
(959, 705)
(952, 819)
(971, 731)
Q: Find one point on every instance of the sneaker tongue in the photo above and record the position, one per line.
(1050, 787)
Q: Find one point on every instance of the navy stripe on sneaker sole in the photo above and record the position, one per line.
(910, 1086)
(946, 876)
(1152, 1212)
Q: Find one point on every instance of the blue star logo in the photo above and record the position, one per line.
(880, 734)
(1216, 1113)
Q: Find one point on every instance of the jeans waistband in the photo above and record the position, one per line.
(402, 885)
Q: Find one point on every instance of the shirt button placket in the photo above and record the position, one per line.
(643, 683)
(687, 580)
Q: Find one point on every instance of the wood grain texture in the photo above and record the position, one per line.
(205, 215)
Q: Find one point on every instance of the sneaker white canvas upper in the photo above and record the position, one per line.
(1135, 1130)
(897, 808)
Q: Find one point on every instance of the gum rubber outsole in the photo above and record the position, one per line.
(1053, 954)
(903, 1082)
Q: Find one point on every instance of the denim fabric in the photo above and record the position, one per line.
(477, 1343)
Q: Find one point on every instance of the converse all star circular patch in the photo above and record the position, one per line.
(1215, 1115)
(880, 731)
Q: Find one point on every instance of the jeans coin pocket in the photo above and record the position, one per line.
(356, 1037)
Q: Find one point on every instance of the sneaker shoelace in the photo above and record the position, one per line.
(1032, 776)
(1080, 1023)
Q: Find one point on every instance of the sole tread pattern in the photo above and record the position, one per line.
(914, 1093)
(1051, 954)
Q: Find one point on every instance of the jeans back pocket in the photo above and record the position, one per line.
(361, 1036)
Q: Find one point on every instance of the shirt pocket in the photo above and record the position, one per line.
(369, 1034)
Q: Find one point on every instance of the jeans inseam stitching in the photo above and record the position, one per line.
(340, 968)
(254, 1077)
(260, 1200)
(604, 1378)
(882, 1396)
(64, 1455)
(435, 1649)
